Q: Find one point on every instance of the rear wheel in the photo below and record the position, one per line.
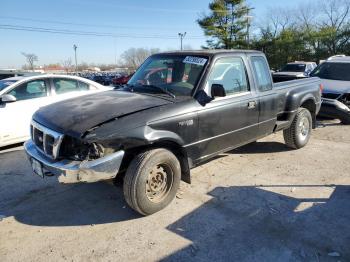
(151, 181)
(298, 134)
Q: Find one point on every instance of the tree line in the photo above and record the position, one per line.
(313, 31)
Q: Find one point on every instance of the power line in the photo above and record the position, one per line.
(86, 33)
(88, 25)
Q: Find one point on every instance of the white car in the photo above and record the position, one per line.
(20, 97)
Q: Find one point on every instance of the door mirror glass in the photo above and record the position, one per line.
(217, 90)
(8, 98)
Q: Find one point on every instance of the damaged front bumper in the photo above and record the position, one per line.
(69, 172)
(334, 109)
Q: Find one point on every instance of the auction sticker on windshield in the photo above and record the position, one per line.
(195, 60)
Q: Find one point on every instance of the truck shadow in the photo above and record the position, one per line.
(43, 202)
(261, 148)
(72, 205)
(247, 223)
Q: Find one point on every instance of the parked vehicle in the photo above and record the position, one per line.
(335, 79)
(103, 80)
(153, 131)
(20, 97)
(292, 71)
(121, 80)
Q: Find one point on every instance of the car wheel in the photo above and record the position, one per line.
(298, 134)
(151, 181)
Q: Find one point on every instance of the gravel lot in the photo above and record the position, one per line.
(262, 202)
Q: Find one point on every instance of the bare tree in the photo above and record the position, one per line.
(134, 57)
(31, 58)
(335, 21)
(279, 19)
(67, 64)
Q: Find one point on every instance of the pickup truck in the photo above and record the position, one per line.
(293, 71)
(155, 129)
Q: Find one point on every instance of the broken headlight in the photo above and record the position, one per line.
(75, 149)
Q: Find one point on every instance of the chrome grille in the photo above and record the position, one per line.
(46, 140)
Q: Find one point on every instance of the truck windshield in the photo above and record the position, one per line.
(333, 71)
(5, 83)
(294, 68)
(172, 75)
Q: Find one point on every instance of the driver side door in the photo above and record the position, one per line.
(232, 120)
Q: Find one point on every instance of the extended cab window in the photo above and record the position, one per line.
(63, 86)
(262, 73)
(229, 72)
(30, 90)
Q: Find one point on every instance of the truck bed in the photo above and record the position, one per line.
(291, 92)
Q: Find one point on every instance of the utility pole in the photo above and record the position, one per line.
(75, 47)
(182, 36)
(249, 18)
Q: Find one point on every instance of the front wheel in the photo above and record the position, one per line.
(298, 134)
(151, 181)
(345, 120)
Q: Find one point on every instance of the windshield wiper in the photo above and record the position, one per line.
(165, 91)
(125, 87)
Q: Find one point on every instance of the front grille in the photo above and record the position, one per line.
(330, 96)
(46, 140)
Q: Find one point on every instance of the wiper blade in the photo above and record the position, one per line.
(125, 87)
(165, 91)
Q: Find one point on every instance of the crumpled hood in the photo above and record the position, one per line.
(335, 86)
(76, 116)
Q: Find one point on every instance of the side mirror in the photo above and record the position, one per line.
(7, 98)
(217, 90)
(202, 98)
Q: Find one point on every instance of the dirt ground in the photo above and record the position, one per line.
(262, 202)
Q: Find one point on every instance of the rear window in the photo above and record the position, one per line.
(262, 73)
(333, 71)
(294, 68)
(63, 86)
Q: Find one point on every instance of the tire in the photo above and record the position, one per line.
(345, 121)
(145, 189)
(298, 134)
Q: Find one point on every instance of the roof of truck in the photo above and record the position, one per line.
(338, 59)
(211, 52)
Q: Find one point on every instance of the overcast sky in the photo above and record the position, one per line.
(151, 23)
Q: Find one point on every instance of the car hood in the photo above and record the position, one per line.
(335, 86)
(76, 116)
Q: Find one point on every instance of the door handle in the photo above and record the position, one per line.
(251, 105)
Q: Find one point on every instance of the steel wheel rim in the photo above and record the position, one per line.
(304, 128)
(159, 182)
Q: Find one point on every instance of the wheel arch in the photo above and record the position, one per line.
(170, 145)
(310, 104)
